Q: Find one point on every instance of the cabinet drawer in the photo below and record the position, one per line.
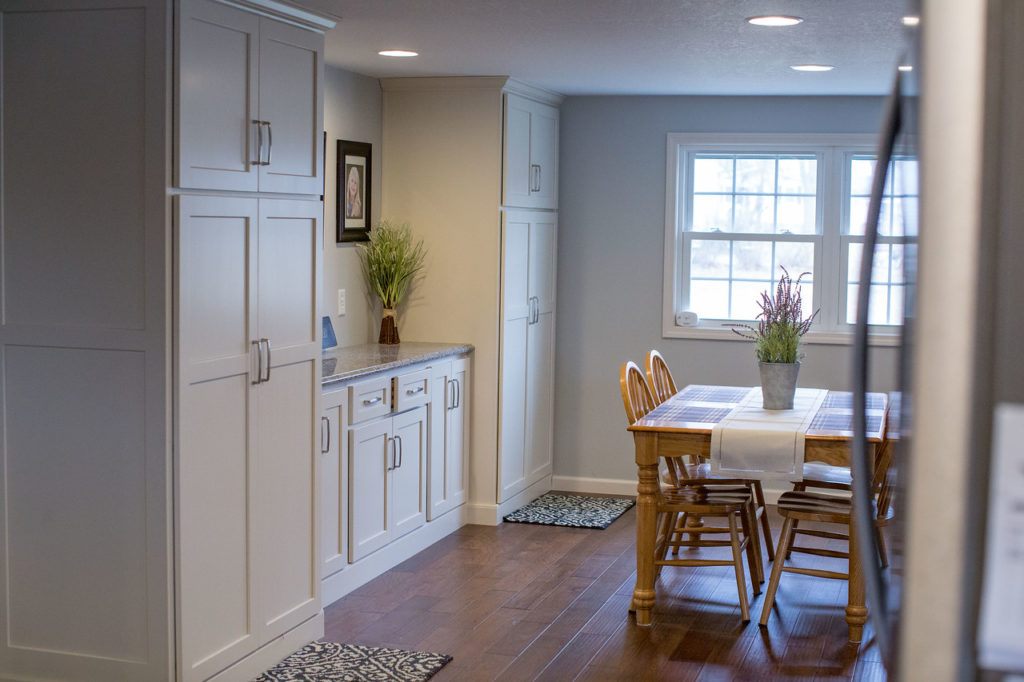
(369, 399)
(412, 389)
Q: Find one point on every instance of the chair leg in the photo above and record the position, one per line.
(765, 526)
(789, 550)
(665, 534)
(753, 548)
(737, 560)
(785, 537)
(883, 555)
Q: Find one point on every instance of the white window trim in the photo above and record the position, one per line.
(827, 259)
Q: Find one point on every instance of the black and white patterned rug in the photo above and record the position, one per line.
(578, 511)
(330, 662)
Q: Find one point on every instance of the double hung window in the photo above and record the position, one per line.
(742, 207)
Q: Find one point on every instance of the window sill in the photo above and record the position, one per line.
(882, 339)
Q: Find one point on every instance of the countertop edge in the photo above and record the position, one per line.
(355, 362)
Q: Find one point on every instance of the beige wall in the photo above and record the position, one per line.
(352, 111)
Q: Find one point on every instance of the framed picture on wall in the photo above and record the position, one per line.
(353, 177)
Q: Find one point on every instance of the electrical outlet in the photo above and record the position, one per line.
(341, 301)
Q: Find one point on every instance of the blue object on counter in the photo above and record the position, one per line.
(330, 341)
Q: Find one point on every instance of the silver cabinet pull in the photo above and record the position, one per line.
(534, 177)
(267, 343)
(371, 401)
(398, 451)
(449, 395)
(414, 391)
(458, 394)
(259, 143)
(259, 363)
(390, 441)
(324, 449)
(270, 143)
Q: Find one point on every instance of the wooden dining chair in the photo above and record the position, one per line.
(663, 387)
(699, 498)
(815, 504)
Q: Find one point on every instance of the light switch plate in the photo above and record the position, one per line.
(341, 301)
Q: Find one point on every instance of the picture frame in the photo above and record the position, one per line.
(353, 187)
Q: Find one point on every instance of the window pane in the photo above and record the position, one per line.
(796, 257)
(853, 262)
(712, 212)
(898, 221)
(908, 214)
(755, 176)
(858, 215)
(796, 215)
(896, 256)
(755, 214)
(752, 260)
(745, 299)
(878, 304)
(905, 180)
(712, 174)
(885, 217)
(709, 299)
(851, 303)
(861, 172)
(798, 176)
(709, 258)
(896, 294)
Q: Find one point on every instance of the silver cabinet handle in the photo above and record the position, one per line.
(259, 363)
(458, 394)
(324, 449)
(391, 442)
(270, 143)
(398, 450)
(371, 401)
(266, 342)
(259, 143)
(535, 177)
(414, 391)
(449, 396)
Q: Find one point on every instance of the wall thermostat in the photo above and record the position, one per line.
(687, 318)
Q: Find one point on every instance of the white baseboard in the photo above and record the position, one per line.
(340, 583)
(614, 486)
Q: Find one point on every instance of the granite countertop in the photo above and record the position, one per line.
(340, 364)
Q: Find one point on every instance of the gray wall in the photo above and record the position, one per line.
(352, 111)
(610, 250)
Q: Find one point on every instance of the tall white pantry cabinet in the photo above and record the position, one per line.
(472, 165)
(160, 337)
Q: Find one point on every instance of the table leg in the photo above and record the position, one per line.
(856, 611)
(646, 527)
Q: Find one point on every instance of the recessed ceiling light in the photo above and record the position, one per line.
(812, 67)
(774, 21)
(905, 67)
(911, 21)
(398, 53)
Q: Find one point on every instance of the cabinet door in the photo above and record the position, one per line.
(333, 488)
(530, 154)
(370, 461)
(290, 101)
(407, 498)
(441, 397)
(215, 249)
(216, 97)
(541, 348)
(516, 312)
(457, 434)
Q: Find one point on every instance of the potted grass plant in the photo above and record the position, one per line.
(390, 262)
(777, 338)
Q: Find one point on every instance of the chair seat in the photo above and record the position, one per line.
(814, 506)
(818, 472)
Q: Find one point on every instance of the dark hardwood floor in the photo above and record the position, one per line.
(524, 602)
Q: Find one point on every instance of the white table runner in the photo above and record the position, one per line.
(752, 442)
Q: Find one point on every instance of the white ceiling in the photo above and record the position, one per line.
(579, 47)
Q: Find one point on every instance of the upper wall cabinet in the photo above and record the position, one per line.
(531, 154)
(249, 101)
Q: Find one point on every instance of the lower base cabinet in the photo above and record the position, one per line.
(393, 461)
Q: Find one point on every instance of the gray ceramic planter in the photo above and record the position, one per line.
(778, 384)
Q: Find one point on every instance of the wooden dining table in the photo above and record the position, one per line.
(682, 425)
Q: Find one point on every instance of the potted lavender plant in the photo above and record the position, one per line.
(780, 327)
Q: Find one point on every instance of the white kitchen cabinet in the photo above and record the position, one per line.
(530, 170)
(447, 465)
(387, 496)
(527, 349)
(250, 103)
(334, 483)
(504, 127)
(248, 382)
